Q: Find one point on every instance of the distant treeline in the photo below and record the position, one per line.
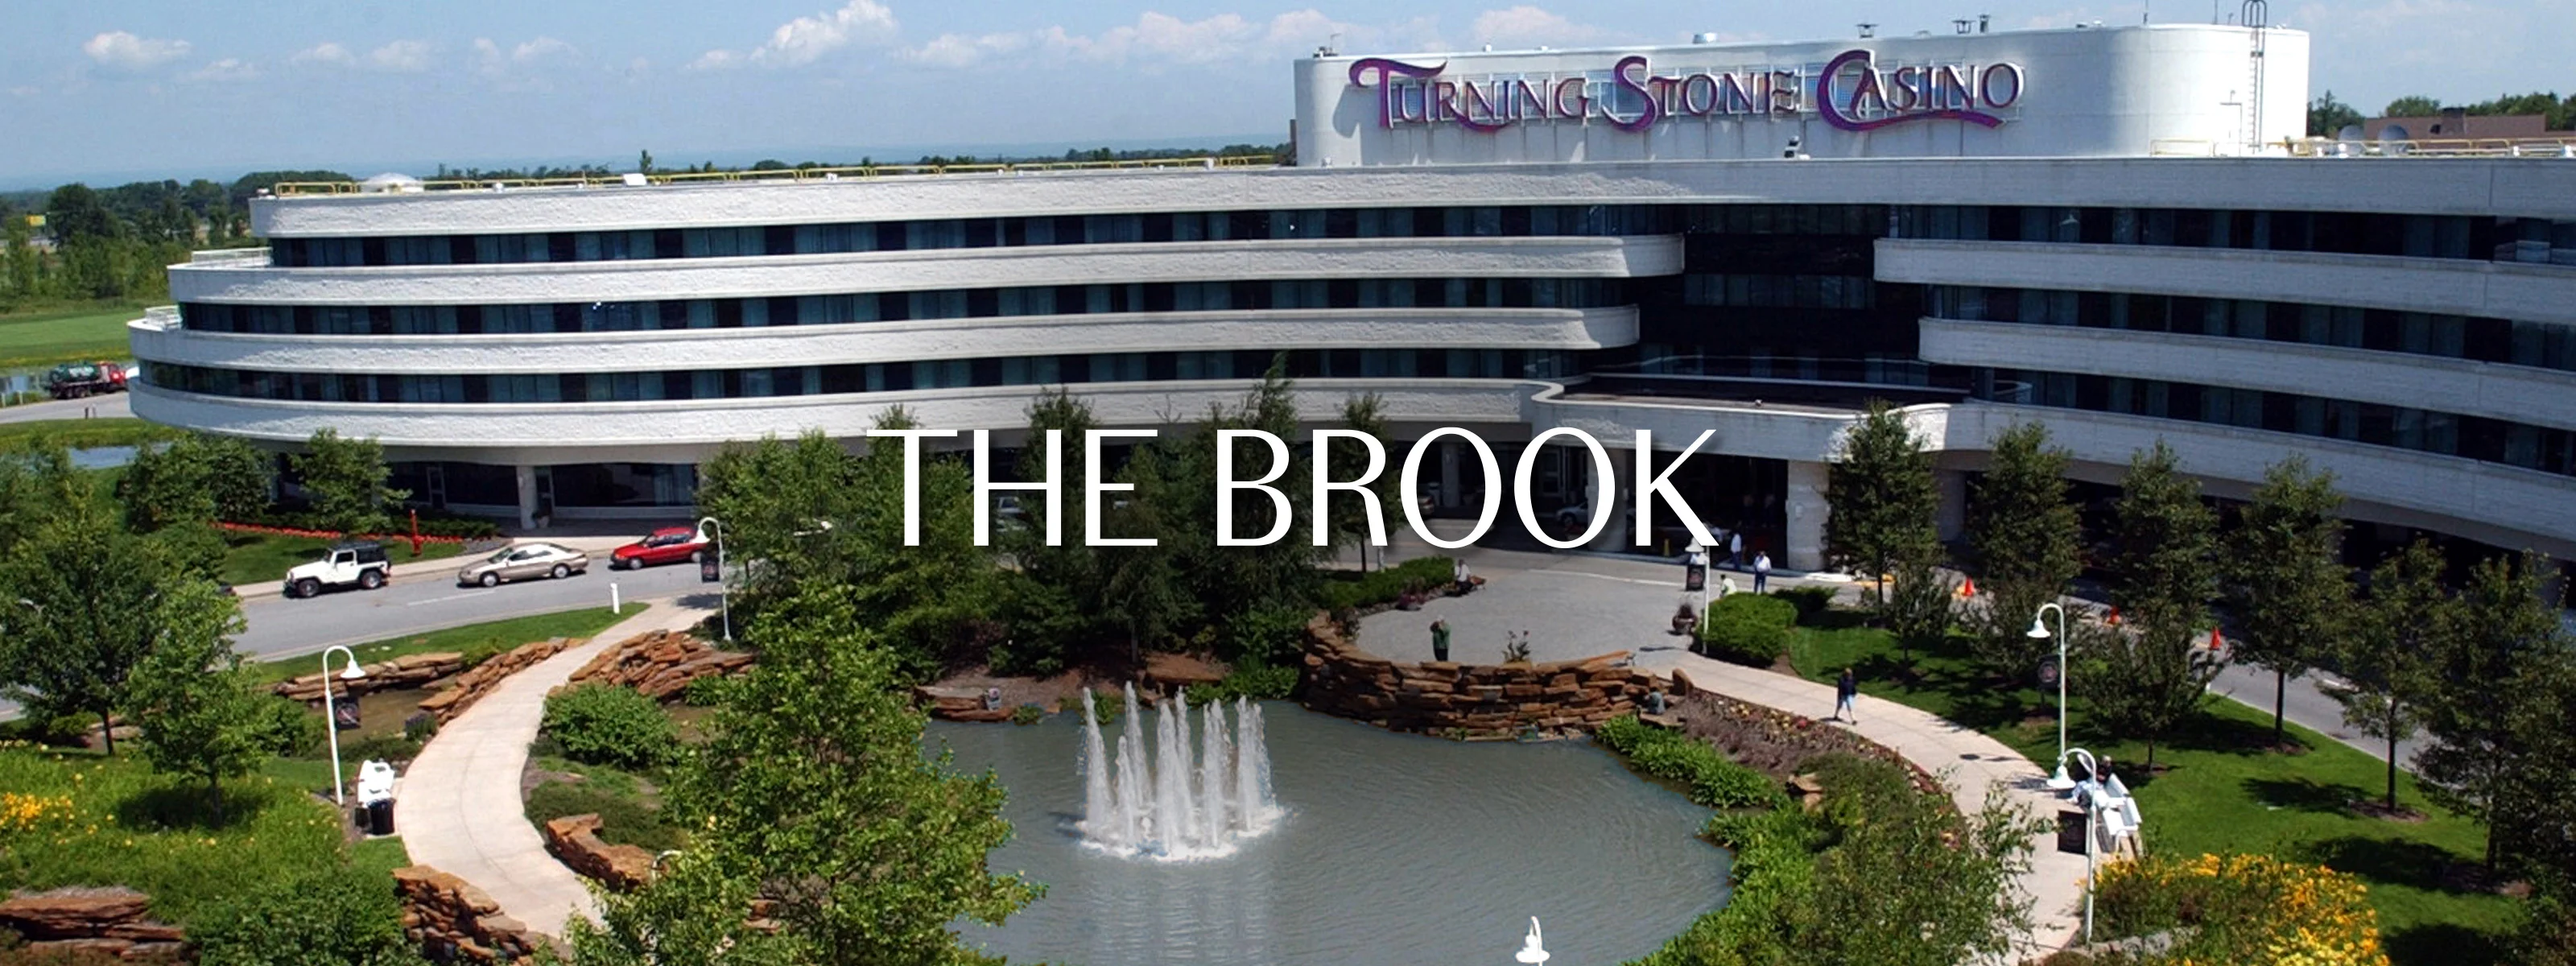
(2326, 115)
(113, 243)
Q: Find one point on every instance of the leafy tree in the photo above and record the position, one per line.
(203, 716)
(37, 485)
(1883, 501)
(812, 791)
(2388, 655)
(2327, 116)
(2532, 811)
(88, 603)
(75, 215)
(2288, 587)
(2144, 679)
(1918, 608)
(1347, 459)
(198, 478)
(2412, 105)
(2504, 621)
(2025, 535)
(1049, 616)
(344, 479)
(2165, 566)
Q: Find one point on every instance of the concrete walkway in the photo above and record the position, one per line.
(1577, 606)
(458, 806)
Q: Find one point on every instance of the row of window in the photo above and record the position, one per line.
(2351, 233)
(1464, 293)
(858, 378)
(817, 239)
(2542, 345)
(2448, 434)
(1781, 291)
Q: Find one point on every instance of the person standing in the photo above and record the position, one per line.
(1761, 573)
(1735, 550)
(1439, 640)
(1846, 688)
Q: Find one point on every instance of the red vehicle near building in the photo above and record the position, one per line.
(666, 545)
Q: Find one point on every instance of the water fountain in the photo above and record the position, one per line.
(1174, 805)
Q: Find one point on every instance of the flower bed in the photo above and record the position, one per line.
(2250, 910)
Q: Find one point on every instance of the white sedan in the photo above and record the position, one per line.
(522, 561)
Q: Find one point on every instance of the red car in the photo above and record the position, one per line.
(666, 545)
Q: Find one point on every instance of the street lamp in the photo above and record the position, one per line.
(2093, 803)
(330, 713)
(2039, 631)
(724, 592)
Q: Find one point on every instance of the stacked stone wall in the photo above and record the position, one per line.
(453, 921)
(472, 685)
(575, 839)
(659, 664)
(85, 921)
(1466, 700)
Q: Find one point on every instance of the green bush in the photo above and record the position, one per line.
(703, 692)
(1704, 774)
(1350, 590)
(1269, 635)
(1812, 600)
(624, 817)
(603, 724)
(336, 917)
(1027, 714)
(1748, 628)
(1258, 682)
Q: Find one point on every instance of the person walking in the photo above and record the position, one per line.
(1846, 688)
(1761, 573)
(1735, 550)
(1439, 640)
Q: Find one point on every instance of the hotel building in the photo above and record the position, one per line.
(2119, 232)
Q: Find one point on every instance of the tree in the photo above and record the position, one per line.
(2532, 810)
(1049, 613)
(75, 215)
(203, 716)
(2412, 105)
(198, 478)
(1882, 500)
(1918, 610)
(812, 791)
(2388, 656)
(88, 603)
(1347, 459)
(2288, 586)
(2328, 117)
(344, 480)
(2165, 562)
(2145, 678)
(2025, 536)
(2504, 621)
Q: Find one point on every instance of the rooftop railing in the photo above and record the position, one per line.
(773, 175)
(2557, 146)
(227, 256)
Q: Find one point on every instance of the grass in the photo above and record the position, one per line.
(487, 638)
(128, 826)
(46, 337)
(84, 433)
(628, 805)
(2221, 791)
(262, 558)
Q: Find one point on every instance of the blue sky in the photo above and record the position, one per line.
(113, 89)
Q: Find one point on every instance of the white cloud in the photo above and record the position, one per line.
(491, 60)
(802, 40)
(227, 69)
(325, 53)
(401, 56)
(116, 48)
(715, 60)
(1527, 26)
(959, 50)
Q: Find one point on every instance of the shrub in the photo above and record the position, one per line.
(624, 819)
(1348, 590)
(1255, 681)
(2245, 909)
(1027, 714)
(1748, 628)
(1704, 774)
(1268, 635)
(338, 917)
(603, 724)
(1812, 600)
(703, 692)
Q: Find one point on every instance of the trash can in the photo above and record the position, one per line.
(376, 798)
(2072, 825)
(380, 817)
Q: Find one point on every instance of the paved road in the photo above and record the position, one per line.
(280, 627)
(2308, 705)
(112, 406)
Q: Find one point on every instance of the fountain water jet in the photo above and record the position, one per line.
(1173, 805)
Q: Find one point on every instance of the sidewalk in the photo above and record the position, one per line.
(458, 806)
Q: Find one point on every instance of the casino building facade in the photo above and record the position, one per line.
(2119, 232)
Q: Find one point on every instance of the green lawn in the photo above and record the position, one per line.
(128, 826)
(491, 636)
(84, 433)
(43, 338)
(2221, 791)
(264, 558)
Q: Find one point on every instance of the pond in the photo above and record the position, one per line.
(102, 457)
(1394, 850)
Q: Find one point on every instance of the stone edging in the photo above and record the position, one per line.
(451, 919)
(1466, 700)
(113, 922)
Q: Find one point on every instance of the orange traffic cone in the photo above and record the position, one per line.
(2114, 619)
(2216, 642)
(1967, 587)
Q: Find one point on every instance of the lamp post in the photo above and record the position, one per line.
(724, 592)
(2039, 631)
(331, 717)
(2092, 820)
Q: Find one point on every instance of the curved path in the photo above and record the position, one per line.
(458, 806)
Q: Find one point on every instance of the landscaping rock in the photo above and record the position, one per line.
(444, 913)
(408, 672)
(575, 840)
(472, 685)
(80, 913)
(1466, 700)
(660, 664)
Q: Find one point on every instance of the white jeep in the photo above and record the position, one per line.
(343, 564)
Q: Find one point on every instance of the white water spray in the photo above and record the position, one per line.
(1179, 806)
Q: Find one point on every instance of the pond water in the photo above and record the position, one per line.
(102, 457)
(1395, 850)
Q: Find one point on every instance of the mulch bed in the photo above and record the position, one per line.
(1778, 743)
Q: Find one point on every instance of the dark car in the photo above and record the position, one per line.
(666, 545)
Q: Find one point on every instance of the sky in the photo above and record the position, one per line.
(113, 90)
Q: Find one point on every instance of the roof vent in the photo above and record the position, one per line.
(1704, 37)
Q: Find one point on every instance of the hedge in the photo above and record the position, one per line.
(1748, 628)
(1342, 592)
(1707, 776)
(605, 724)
